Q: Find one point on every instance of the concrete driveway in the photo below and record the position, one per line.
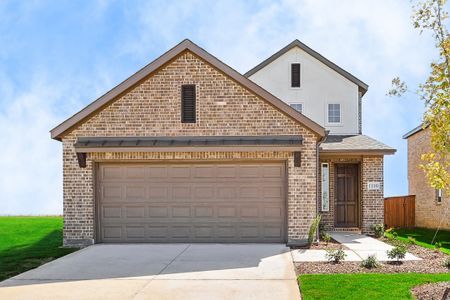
(162, 271)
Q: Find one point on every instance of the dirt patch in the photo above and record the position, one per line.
(432, 262)
(432, 291)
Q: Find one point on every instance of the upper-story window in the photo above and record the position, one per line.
(295, 75)
(297, 106)
(334, 113)
(188, 104)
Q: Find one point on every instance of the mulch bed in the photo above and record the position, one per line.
(331, 245)
(432, 291)
(432, 262)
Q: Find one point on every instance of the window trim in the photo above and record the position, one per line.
(300, 74)
(327, 120)
(182, 104)
(297, 103)
(439, 196)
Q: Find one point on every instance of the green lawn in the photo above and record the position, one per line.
(423, 237)
(27, 242)
(364, 286)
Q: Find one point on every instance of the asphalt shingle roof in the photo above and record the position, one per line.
(335, 143)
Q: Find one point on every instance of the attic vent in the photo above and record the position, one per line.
(295, 75)
(188, 99)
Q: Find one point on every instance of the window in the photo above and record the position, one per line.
(334, 113)
(188, 99)
(325, 187)
(297, 106)
(439, 196)
(295, 75)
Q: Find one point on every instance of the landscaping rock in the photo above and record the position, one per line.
(432, 291)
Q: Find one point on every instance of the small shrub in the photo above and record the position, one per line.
(370, 262)
(438, 245)
(411, 240)
(447, 263)
(313, 229)
(326, 238)
(336, 256)
(378, 229)
(398, 253)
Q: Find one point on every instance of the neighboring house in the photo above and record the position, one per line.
(189, 150)
(432, 206)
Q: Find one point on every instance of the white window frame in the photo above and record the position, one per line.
(439, 196)
(290, 75)
(325, 184)
(298, 103)
(327, 121)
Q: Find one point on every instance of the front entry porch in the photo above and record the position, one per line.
(351, 192)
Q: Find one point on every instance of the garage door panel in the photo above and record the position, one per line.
(203, 212)
(249, 172)
(112, 173)
(157, 172)
(206, 171)
(158, 211)
(135, 232)
(249, 212)
(135, 173)
(273, 212)
(192, 203)
(226, 212)
(135, 192)
(203, 192)
(112, 212)
(180, 172)
(112, 232)
(157, 193)
(135, 212)
(226, 172)
(111, 192)
(181, 192)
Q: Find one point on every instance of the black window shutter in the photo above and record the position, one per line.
(188, 98)
(295, 75)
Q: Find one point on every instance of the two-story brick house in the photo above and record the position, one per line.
(189, 150)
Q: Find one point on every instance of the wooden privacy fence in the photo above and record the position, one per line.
(399, 211)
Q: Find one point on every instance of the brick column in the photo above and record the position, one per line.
(372, 201)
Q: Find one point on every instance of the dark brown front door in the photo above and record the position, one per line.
(346, 195)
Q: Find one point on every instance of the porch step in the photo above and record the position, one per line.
(347, 229)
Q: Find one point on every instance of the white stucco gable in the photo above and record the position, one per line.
(322, 83)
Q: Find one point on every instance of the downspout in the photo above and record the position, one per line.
(317, 177)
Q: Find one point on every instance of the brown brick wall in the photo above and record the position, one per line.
(153, 109)
(429, 213)
(371, 202)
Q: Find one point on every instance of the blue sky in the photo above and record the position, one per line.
(58, 56)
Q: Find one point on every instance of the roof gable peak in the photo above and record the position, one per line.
(363, 87)
(59, 131)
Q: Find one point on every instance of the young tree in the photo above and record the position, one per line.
(435, 92)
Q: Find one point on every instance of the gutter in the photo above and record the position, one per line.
(317, 176)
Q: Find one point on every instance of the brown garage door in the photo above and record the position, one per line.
(220, 202)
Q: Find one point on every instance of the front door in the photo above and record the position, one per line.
(346, 195)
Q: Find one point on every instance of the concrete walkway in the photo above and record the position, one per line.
(162, 271)
(359, 246)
